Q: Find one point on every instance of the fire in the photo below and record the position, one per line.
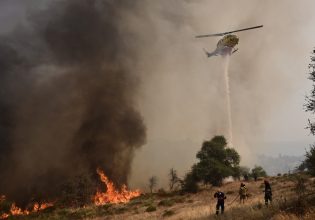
(39, 207)
(112, 195)
(18, 211)
(4, 216)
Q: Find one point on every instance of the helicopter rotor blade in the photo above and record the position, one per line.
(229, 32)
(210, 35)
(244, 29)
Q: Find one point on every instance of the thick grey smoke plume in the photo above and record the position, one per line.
(67, 98)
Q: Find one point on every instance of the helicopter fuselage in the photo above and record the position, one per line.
(229, 40)
(225, 46)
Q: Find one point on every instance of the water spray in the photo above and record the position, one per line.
(228, 97)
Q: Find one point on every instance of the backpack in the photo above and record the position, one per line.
(243, 191)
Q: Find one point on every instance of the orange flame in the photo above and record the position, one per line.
(38, 207)
(112, 195)
(4, 216)
(18, 211)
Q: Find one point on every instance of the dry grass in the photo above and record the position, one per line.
(201, 206)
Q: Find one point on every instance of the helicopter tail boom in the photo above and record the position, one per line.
(210, 54)
(223, 52)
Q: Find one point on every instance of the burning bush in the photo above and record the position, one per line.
(75, 193)
(112, 195)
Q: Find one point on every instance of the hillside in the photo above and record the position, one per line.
(163, 205)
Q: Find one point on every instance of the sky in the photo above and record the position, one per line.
(271, 62)
(181, 96)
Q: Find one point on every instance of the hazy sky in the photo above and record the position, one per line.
(268, 77)
(181, 97)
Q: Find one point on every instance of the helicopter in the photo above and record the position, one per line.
(225, 45)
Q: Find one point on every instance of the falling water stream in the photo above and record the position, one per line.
(228, 97)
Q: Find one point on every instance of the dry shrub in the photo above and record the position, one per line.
(168, 213)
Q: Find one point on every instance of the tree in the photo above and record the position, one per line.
(152, 183)
(302, 167)
(244, 172)
(216, 162)
(190, 183)
(258, 171)
(76, 191)
(310, 100)
(309, 162)
(173, 178)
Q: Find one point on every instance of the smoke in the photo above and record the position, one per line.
(67, 98)
(75, 70)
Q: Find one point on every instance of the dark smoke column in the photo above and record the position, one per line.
(71, 107)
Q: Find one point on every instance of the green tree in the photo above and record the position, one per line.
(242, 172)
(190, 183)
(258, 171)
(310, 100)
(302, 167)
(309, 162)
(216, 161)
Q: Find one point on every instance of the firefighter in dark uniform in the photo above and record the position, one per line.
(220, 201)
(268, 192)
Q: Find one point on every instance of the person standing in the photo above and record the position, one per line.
(220, 201)
(268, 193)
(255, 177)
(243, 193)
